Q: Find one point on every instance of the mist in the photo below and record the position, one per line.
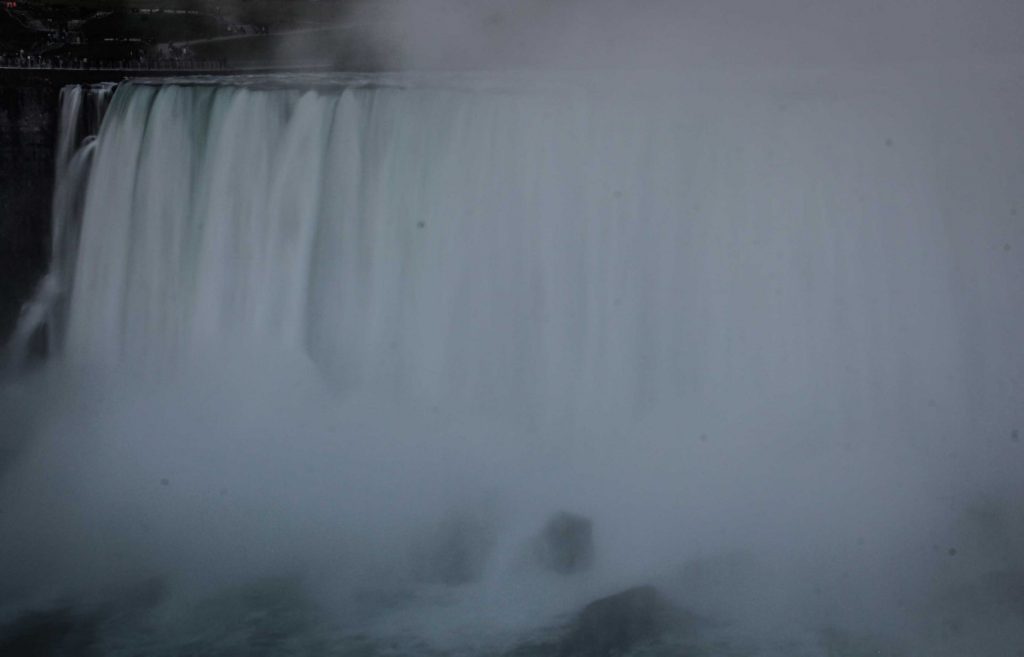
(690, 35)
(739, 284)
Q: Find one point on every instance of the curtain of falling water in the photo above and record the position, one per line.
(560, 251)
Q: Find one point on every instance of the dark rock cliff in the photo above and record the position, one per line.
(28, 130)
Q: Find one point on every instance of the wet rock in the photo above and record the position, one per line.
(28, 123)
(53, 633)
(619, 623)
(566, 544)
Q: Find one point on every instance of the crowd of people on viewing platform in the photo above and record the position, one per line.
(22, 60)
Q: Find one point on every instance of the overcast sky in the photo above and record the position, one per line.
(571, 33)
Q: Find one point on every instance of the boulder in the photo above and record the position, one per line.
(619, 623)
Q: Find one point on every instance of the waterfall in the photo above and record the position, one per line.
(558, 250)
(81, 110)
(334, 325)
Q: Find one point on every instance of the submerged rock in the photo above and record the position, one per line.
(619, 623)
(566, 544)
(53, 633)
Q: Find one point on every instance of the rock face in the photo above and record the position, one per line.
(28, 123)
(566, 544)
(619, 623)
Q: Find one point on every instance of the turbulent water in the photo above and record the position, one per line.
(766, 334)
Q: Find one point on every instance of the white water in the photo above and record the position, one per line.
(780, 317)
(549, 249)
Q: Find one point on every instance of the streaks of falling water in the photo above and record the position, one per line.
(81, 110)
(542, 249)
